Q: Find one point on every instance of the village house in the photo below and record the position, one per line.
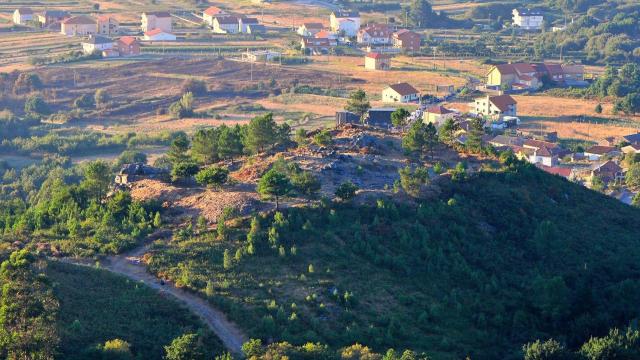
(506, 141)
(541, 152)
(107, 25)
(406, 40)
(566, 172)
(529, 76)
(329, 36)
(314, 46)
(513, 76)
(400, 92)
(496, 107)
(631, 149)
(374, 34)
(226, 24)
(632, 139)
(158, 35)
(561, 74)
(128, 46)
(245, 24)
(260, 55)
(78, 26)
(377, 61)
(437, 115)
(210, 13)
(345, 22)
(50, 17)
(156, 20)
(96, 43)
(22, 15)
(608, 171)
(596, 152)
(309, 29)
(527, 19)
(134, 172)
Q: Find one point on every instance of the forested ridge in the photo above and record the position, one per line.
(500, 260)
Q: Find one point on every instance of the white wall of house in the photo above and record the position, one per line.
(390, 95)
(225, 28)
(527, 22)
(21, 19)
(89, 48)
(163, 36)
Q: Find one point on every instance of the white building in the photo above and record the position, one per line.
(345, 22)
(158, 35)
(226, 24)
(400, 92)
(527, 19)
(309, 29)
(156, 20)
(22, 15)
(496, 107)
(96, 43)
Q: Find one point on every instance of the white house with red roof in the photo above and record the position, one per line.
(158, 35)
(401, 92)
(374, 34)
(496, 107)
(437, 114)
(377, 61)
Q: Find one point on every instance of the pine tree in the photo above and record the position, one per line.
(227, 261)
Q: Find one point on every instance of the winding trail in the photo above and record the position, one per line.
(125, 264)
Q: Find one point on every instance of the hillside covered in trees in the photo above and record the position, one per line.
(497, 261)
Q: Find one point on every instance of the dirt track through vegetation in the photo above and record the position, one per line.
(228, 332)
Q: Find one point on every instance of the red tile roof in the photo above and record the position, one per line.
(406, 35)
(323, 34)
(376, 30)
(376, 55)
(600, 149)
(556, 170)
(79, 20)
(403, 89)
(213, 10)
(154, 32)
(128, 40)
(502, 102)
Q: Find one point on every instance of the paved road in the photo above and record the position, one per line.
(228, 332)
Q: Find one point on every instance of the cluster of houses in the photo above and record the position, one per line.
(345, 25)
(530, 76)
(222, 22)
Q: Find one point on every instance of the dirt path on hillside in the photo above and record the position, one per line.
(127, 265)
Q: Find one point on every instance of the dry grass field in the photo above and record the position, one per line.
(374, 81)
(574, 118)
